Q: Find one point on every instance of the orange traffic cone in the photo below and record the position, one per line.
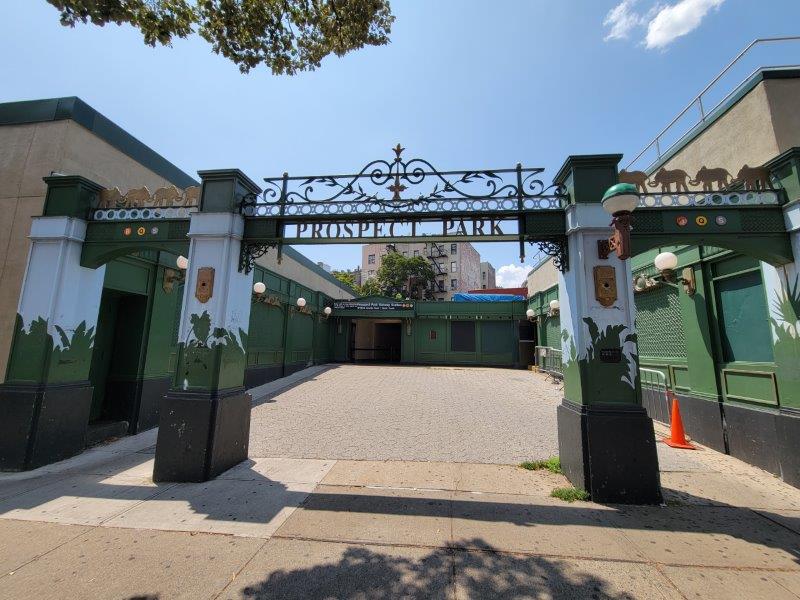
(677, 437)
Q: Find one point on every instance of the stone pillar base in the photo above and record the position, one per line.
(201, 435)
(609, 451)
(42, 424)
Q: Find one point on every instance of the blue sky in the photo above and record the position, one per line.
(464, 83)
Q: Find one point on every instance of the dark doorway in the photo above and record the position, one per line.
(527, 343)
(388, 337)
(376, 340)
(116, 359)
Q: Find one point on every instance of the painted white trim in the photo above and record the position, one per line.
(216, 225)
(791, 216)
(588, 218)
(57, 228)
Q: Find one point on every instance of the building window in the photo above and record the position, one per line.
(453, 266)
(483, 287)
(441, 286)
(371, 273)
(453, 284)
(483, 275)
(453, 248)
(416, 252)
(371, 260)
(432, 334)
(405, 253)
(462, 336)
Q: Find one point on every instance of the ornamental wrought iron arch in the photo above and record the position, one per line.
(399, 200)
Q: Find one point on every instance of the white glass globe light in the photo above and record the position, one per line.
(554, 305)
(259, 287)
(529, 313)
(666, 261)
(182, 262)
(301, 302)
(327, 310)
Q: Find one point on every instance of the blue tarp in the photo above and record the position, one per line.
(462, 297)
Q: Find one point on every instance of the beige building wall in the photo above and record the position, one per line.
(296, 270)
(542, 277)
(488, 276)
(764, 123)
(29, 152)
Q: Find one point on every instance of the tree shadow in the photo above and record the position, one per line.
(362, 573)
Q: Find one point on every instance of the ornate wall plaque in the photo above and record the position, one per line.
(605, 285)
(205, 284)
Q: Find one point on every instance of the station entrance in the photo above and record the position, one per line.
(376, 340)
(606, 440)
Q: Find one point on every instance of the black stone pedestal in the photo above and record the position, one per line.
(201, 435)
(42, 424)
(609, 451)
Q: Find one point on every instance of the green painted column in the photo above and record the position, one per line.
(205, 418)
(606, 441)
(46, 397)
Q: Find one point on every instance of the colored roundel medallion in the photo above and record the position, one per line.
(720, 220)
(141, 231)
(127, 231)
(701, 221)
(681, 221)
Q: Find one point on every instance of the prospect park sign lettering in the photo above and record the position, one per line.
(386, 230)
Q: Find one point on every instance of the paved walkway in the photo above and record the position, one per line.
(95, 526)
(448, 414)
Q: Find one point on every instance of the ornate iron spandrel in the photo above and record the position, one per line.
(251, 251)
(414, 186)
(557, 248)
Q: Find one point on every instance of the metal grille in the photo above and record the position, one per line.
(552, 332)
(659, 324)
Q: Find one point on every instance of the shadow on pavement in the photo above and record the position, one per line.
(366, 573)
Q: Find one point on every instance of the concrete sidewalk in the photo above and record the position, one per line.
(95, 526)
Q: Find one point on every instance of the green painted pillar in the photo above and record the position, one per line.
(46, 397)
(205, 418)
(606, 440)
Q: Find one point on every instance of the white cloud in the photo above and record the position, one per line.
(676, 20)
(512, 275)
(621, 20)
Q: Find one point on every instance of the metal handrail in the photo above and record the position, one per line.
(659, 412)
(698, 100)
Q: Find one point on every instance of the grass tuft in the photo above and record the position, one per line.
(568, 494)
(552, 464)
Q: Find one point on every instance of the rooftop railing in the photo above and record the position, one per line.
(698, 107)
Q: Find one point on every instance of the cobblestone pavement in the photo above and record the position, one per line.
(448, 414)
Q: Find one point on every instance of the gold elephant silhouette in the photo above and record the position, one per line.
(755, 178)
(637, 178)
(191, 196)
(137, 197)
(167, 196)
(708, 177)
(665, 178)
(110, 198)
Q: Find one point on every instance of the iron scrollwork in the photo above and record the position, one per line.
(251, 251)
(406, 186)
(556, 248)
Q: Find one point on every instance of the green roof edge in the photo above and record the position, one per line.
(75, 109)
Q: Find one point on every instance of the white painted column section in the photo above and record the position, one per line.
(586, 225)
(56, 287)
